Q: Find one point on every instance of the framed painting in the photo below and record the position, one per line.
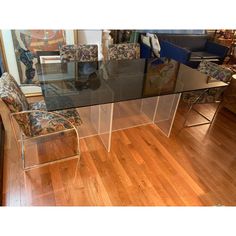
(27, 43)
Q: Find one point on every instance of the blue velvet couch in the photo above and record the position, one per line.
(187, 49)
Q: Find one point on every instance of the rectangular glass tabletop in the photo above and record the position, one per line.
(80, 84)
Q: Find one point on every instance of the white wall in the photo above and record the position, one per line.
(10, 54)
(84, 37)
(91, 37)
(69, 36)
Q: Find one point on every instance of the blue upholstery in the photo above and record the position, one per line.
(174, 52)
(145, 51)
(217, 49)
(168, 50)
(187, 49)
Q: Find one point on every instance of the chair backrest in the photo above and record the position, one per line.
(80, 53)
(11, 94)
(68, 52)
(87, 53)
(15, 100)
(124, 51)
(216, 71)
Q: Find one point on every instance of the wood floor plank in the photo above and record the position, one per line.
(194, 167)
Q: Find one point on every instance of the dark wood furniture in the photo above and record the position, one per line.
(230, 96)
(2, 133)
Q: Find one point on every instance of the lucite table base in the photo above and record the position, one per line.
(103, 119)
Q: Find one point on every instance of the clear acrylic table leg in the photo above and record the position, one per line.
(102, 117)
(148, 107)
(165, 111)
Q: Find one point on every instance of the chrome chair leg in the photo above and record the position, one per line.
(187, 115)
(51, 162)
(22, 151)
(209, 121)
(191, 107)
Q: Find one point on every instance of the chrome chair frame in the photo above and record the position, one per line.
(213, 71)
(191, 107)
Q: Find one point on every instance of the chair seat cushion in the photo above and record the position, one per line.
(49, 122)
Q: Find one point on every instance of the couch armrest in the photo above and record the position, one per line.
(175, 52)
(217, 49)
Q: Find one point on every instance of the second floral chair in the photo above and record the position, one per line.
(80, 53)
(124, 51)
(213, 95)
(35, 122)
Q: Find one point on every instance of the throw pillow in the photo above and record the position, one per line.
(155, 44)
(145, 40)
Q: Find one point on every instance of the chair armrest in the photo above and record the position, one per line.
(217, 49)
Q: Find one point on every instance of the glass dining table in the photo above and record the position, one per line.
(115, 95)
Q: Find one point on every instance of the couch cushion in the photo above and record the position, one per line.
(203, 55)
(187, 41)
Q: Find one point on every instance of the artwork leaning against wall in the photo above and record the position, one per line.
(26, 43)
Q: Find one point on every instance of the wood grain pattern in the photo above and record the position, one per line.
(194, 167)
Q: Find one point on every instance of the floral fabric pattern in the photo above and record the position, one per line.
(38, 106)
(81, 53)
(124, 51)
(218, 72)
(44, 123)
(34, 123)
(87, 53)
(11, 94)
(211, 95)
(68, 53)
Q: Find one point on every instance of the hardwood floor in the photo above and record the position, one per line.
(194, 167)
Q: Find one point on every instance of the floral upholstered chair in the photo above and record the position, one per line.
(124, 51)
(80, 53)
(213, 95)
(87, 53)
(33, 119)
(68, 53)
